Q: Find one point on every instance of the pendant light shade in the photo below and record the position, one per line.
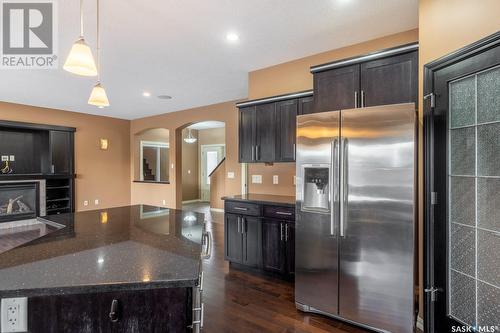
(190, 138)
(80, 60)
(98, 96)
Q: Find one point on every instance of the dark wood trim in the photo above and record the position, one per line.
(278, 98)
(389, 52)
(32, 126)
(218, 165)
(433, 231)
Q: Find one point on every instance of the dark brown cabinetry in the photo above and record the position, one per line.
(388, 78)
(61, 146)
(242, 238)
(267, 128)
(260, 236)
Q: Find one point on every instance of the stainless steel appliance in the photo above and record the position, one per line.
(355, 216)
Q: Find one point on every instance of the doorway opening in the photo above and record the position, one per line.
(203, 164)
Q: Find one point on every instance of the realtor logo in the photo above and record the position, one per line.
(28, 34)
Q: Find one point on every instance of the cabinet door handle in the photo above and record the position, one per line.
(239, 225)
(207, 236)
(362, 99)
(356, 99)
(257, 152)
(286, 232)
(253, 153)
(243, 225)
(113, 313)
(53, 168)
(281, 231)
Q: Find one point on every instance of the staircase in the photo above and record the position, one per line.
(147, 172)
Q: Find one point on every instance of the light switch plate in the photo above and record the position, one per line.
(14, 314)
(12, 158)
(5, 158)
(275, 179)
(257, 179)
(96, 202)
(86, 203)
(230, 175)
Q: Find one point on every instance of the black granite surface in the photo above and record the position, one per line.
(280, 200)
(126, 248)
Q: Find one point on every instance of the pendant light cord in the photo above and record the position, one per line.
(98, 47)
(81, 18)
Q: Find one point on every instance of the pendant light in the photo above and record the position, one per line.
(190, 138)
(80, 60)
(98, 95)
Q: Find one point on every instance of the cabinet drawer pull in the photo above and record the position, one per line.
(240, 208)
(284, 213)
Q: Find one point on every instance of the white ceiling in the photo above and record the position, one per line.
(178, 48)
(207, 125)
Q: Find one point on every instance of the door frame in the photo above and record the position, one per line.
(216, 145)
(435, 230)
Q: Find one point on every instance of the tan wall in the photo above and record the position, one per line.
(218, 186)
(445, 26)
(175, 121)
(103, 175)
(295, 76)
(156, 135)
(212, 136)
(190, 168)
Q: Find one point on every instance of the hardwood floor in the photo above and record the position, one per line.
(237, 301)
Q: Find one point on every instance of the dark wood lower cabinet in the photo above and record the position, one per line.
(265, 242)
(156, 310)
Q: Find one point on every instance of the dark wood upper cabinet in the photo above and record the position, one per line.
(336, 89)
(390, 80)
(265, 133)
(247, 134)
(61, 148)
(287, 117)
(306, 105)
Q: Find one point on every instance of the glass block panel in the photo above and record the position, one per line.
(488, 96)
(488, 150)
(488, 203)
(463, 248)
(463, 200)
(463, 298)
(463, 102)
(488, 311)
(488, 258)
(463, 151)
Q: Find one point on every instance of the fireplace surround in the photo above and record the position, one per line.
(22, 199)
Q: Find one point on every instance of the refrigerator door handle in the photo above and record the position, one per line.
(334, 184)
(344, 185)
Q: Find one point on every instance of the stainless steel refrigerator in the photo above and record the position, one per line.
(355, 219)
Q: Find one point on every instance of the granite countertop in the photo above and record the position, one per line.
(126, 248)
(281, 200)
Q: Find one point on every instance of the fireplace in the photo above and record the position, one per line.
(21, 200)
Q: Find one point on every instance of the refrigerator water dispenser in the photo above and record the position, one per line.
(316, 188)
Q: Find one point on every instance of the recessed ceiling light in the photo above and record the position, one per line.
(164, 97)
(232, 37)
(146, 94)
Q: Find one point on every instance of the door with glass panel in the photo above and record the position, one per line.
(462, 190)
(211, 156)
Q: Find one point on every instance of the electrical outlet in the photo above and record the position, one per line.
(230, 175)
(86, 203)
(275, 179)
(189, 172)
(14, 315)
(164, 202)
(96, 202)
(257, 179)
(5, 158)
(12, 158)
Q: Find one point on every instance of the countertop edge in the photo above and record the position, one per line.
(103, 288)
(263, 202)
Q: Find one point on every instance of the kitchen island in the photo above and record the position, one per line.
(127, 269)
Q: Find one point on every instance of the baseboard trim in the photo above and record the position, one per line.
(191, 201)
(420, 323)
